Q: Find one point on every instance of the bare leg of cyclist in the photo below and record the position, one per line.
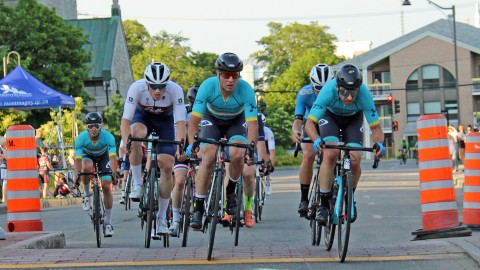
(165, 185)
(235, 170)
(306, 173)
(177, 195)
(138, 130)
(207, 154)
(249, 190)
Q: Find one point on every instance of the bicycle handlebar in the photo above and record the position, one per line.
(223, 143)
(131, 139)
(298, 146)
(376, 161)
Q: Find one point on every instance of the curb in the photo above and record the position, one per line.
(47, 203)
(46, 240)
(467, 244)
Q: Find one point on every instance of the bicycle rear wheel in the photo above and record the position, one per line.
(186, 210)
(257, 199)
(213, 211)
(128, 189)
(345, 216)
(150, 206)
(238, 213)
(316, 229)
(97, 218)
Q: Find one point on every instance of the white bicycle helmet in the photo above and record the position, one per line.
(320, 74)
(264, 119)
(157, 73)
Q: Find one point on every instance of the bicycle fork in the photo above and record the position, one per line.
(340, 194)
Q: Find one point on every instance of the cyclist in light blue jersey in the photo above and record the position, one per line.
(339, 110)
(96, 145)
(319, 75)
(222, 105)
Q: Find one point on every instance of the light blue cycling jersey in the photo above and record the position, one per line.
(328, 99)
(241, 101)
(305, 99)
(105, 143)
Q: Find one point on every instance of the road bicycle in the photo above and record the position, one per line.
(213, 207)
(148, 206)
(342, 208)
(97, 214)
(186, 208)
(260, 194)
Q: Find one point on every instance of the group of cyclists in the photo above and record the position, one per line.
(328, 110)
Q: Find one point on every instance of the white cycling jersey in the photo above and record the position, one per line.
(269, 138)
(138, 96)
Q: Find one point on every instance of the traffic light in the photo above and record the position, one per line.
(395, 125)
(397, 106)
(389, 99)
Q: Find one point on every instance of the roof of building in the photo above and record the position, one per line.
(468, 37)
(101, 34)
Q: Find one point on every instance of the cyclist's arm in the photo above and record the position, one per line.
(112, 152)
(311, 130)
(131, 102)
(297, 129)
(193, 127)
(252, 127)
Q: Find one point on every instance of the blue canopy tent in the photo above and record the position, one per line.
(20, 90)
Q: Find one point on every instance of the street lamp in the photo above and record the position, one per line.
(6, 61)
(405, 3)
(107, 85)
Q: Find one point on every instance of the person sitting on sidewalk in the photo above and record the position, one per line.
(61, 190)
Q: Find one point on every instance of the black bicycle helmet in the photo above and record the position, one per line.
(192, 93)
(349, 77)
(93, 118)
(229, 62)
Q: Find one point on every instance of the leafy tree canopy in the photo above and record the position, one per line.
(50, 50)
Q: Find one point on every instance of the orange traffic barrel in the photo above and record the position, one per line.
(437, 192)
(23, 196)
(471, 185)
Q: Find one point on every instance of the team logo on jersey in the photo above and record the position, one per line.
(245, 125)
(108, 165)
(322, 122)
(180, 100)
(320, 107)
(198, 101)
(305, 91)
(252, 107)
(130, 99)
(374, 112)
(205, 123)
(163, 98)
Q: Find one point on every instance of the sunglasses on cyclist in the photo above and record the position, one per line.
(317, 87)
(94, 126)
(227, 74)
(345, 92)
(157, 86)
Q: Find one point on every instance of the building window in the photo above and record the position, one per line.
(430, 77)
(413, 111)
(432, 107)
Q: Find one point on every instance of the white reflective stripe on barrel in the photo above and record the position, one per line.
(432, 143)
(440, 206)
(470, 205)
(14, 175)
(471, 189)
(473, 156)
(22, 194)
(13, 134)
(434, 164)
(21, 153)
(436, 185)
(431, 123)
(472, 172)
(23, 216)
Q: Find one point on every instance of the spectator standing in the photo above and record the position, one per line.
(461, 137)
(452, 146)
(3, 168)
(44, 167)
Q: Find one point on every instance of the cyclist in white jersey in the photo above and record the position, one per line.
(151, 105)
(270, 143)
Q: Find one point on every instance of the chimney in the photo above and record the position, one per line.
(116, 9)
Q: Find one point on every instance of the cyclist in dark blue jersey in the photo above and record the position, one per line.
(319, 75)
(340, 107)
(222, 105)
(96, 145)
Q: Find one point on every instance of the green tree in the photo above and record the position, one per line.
(51, 50)
(289, 53)
(113, 116)
(136, 35)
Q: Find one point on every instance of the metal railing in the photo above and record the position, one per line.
(380, 90)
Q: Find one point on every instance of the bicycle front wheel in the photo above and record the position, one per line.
(316, 228)
(128, 189)
(213, 212)
(345, 215)
(187, 204)
(150, 206)
(238, 213)
(97, 218)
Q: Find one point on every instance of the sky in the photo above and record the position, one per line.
(221, 26)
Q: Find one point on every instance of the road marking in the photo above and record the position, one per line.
(231, 261)
(377, 216)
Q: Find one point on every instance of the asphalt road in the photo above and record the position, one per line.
(381, 238)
